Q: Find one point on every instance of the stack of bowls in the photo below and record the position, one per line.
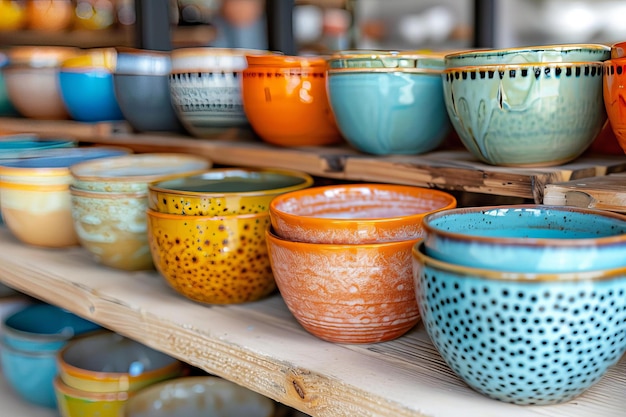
(98, 373)
(86, 86)
(31, 79)
(285, 100)
(341, 257)
(527, 304)
(526, 107)
(207, 232)
(36, 203)
(614, 83)
(31, 339)
(109, 198)
(388, 102)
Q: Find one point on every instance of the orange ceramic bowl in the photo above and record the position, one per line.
(285, 101)
(347, 293)
(356, 213)
(614, 93)
(49, 15)
(618, 50)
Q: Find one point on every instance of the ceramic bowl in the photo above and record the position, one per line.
(386, 111)
(110, 363)
(6, 107)
(529, 55)
(227, 191)
(133, 173)
(31, 80)
(528, 238)
(614, 82)
(285, 100)
(72, 402)
(30, 374)
(141, 84)
(387, 59)
(355, 213)
(360, 293)
(112, 228)
(205, 89)
(49, 15)
(618, 50)
(526, 115)
(214, 260)
(86, 86)
(198, 396)
(43, 328)
(523, 338)
(29, 146)
(36, 204)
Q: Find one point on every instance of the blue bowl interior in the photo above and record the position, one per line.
(536, 223)
(63, 159)
(46, 320)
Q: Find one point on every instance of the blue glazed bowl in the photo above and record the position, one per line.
(386, 111)
(527, 238)
(89, 94)
(43, 327)
(529, 54)
(526, 115)
(523, 338)
(30, 374)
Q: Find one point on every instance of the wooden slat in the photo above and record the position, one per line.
(259, 345)
(606, 193)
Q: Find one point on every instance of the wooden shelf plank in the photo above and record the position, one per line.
(606, 193)
(446, 169)
(259, 345)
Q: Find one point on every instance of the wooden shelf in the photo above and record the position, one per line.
(259, 345)
(446, 169)
(605, 193)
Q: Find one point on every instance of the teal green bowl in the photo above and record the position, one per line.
(526, 115)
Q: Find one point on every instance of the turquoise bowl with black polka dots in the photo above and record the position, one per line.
(523, 338)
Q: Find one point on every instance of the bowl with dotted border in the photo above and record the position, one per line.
(523, 338)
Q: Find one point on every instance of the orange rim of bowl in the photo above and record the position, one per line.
(286, 61)
(271, 235)
(528, 277)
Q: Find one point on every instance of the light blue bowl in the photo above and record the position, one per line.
(528, 238)
(526, 115)
(523, 338)
(89, 95)
(386, 111)
(43, 327)
(30, 374)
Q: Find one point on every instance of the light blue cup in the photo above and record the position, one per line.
(30, 374)
(523, 338)
(527, 238)
(385, 111)
(89, 95)
(529, 54)
(526, 115)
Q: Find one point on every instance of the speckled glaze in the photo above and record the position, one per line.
(198, 396)
(112, 227)
(110, 363)
(529, 55)
(347, 293)
(214, 260)
(133, 173)
(355, 213)
(526, 115)
(285, 100)
(614, 84)
(76, 403)
(528, 238)
(386, 111)
(523, 338)
(226, 191)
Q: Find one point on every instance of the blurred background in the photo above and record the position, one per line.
(322, 25)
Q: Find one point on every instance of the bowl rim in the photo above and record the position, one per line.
(557, 47)
(523, 241)
(526, 65)
(150, 213)
(523, 277)
(92, 396)
(409, 70)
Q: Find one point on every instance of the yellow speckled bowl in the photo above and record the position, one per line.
(215, 260)
(221, 192)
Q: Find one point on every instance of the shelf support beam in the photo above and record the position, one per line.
(152, 25)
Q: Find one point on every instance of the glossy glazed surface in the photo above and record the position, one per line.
(215, 260)
(528, 238)
(526, 115)
(614, 82)
(355, 213)
(89, 95)
(389, 111)
(523, 338)
(227, 191)
(347, 293)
